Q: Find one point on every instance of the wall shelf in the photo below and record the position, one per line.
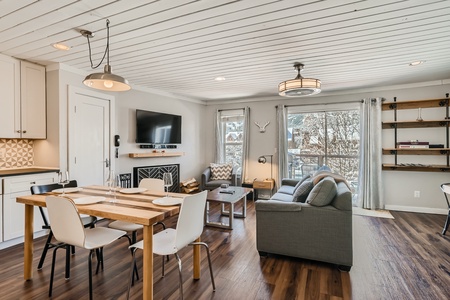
(396, 124)
(155, 154)
(419, 168)
(416, 151)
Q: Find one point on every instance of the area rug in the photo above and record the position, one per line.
(372, 213)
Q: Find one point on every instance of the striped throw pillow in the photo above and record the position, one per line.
(221, 171)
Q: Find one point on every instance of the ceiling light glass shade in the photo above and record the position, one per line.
(107, 81)
(299, 86)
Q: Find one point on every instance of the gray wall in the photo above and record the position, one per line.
(399, 186)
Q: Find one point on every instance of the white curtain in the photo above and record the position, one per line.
(370, 186)
(282, 171)
(220, 148)
(245, 143)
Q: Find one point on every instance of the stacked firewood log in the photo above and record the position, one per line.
(190, 186)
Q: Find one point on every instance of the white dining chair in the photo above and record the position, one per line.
(169, 241)
(68, 230)
(445, 187)
(88, 221)
(153, 184)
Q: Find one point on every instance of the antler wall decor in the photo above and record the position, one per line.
(262, 129)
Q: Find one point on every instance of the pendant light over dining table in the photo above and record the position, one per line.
(105, 81)
(299, 86)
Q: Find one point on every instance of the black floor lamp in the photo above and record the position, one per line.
(263, 159)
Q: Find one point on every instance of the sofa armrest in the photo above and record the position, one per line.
(205, 178)
(289, 181)
(277, 206)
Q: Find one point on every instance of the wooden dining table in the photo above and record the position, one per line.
(135, 208)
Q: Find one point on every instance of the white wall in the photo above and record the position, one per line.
(53, 151)
(399, 186)
(191, 163)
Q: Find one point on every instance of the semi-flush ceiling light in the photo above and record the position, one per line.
(104, 81)
(299, 86)
(219, 78)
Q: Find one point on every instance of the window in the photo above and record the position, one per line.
(231, 124)
(324, 138)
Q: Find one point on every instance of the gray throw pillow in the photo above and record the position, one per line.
(301, 181)
(302, 192)
(323, 192)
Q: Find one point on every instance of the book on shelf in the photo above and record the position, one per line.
(413, 146)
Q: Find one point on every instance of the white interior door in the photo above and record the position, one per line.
(89, 144)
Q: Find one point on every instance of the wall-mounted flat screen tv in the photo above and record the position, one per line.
(157, 128)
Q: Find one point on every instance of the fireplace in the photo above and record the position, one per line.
(157, 172)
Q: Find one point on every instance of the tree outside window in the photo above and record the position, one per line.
(324, 138)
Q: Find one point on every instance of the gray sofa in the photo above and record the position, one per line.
(309, 219)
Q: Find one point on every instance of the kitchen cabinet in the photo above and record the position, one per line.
(443, 122)
(23, 100)
(14, 213)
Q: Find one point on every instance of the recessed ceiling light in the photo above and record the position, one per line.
(61, 47)
(220, 78)
(416, 63)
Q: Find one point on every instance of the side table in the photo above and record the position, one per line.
(264, 184)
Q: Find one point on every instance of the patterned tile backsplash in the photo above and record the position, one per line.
(17, 153)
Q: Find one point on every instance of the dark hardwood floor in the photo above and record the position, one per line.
(404, 258)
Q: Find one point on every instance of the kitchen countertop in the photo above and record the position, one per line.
(26, 171)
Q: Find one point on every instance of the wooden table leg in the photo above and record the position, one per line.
(28, 243)
(197, 258)
(147, 274)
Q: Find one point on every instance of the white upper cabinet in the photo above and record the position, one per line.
(9, 97)
(32, 94)
(22, 99)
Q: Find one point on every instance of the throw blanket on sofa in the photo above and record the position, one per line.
(322, 174)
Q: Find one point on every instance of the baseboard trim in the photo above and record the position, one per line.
(426, 210)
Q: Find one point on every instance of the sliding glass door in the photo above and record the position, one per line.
(317, 138)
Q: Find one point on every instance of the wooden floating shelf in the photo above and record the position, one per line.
(414, 104)
(415, 124)
(427, 168)
(416, 151)
(157, 154)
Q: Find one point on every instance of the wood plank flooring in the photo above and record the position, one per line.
(401, 258)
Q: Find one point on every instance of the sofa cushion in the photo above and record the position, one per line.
(286, 189)
(343, 199)
(323, 192)
(301, 181)
(221, 171)
(302, 192)
(281, 197)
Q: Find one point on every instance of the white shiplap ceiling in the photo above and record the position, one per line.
(180, 46)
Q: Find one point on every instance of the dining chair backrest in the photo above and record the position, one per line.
(125, 180)
(45, 188)
(66, 223)
(191, 219)
(154, 184)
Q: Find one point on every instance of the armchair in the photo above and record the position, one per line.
(208, 184)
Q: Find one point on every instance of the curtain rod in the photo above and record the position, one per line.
(230, 109)
(357, 101)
